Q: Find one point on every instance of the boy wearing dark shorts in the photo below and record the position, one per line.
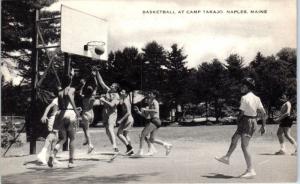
(250, 107)
(152, 125)
(285, 124)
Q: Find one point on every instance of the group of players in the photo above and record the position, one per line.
(65, 117)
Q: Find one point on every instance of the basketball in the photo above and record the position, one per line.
(99, 50)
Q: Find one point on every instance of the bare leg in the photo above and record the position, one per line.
(62, 139)
(111, 135)
(287, 133)
(87, 133)
(121, 136)
(234, 141)
(150, 145)
(71, 134)
(153, 138)
(245, 148)
(280, 138)
(48, 142)
(125, 133)
(146, 131)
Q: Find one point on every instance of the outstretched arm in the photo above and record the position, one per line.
(137, 110)
(156, 108)
(44, 117)
(101, 82)
(111, 104)
(96, 83)
(83, 82)
(285, 114)
(71, 98)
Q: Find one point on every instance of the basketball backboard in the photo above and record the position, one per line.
(80, 30)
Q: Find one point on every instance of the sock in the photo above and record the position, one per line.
(295, 146)
(70, 160)
(282, 147)
(55, 152)
(44, 150)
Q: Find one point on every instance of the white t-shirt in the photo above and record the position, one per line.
(250, 103)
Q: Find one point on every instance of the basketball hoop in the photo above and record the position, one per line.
(94, 49)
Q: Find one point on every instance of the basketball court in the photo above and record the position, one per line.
(191, 160)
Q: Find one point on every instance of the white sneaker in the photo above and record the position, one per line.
(71, 165)
(56, 162)
(91, 148)
(168, 148)
(248, 174)
(42, 158)
(223, 159)
(152, 151)
(139, 153)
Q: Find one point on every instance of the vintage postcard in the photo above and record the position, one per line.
(128, 91)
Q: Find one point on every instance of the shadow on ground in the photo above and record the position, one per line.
(19, 155)
(46, 175)
(274, 154)
(219, 176)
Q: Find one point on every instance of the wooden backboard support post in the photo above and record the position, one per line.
(67, 71)
(34, 79)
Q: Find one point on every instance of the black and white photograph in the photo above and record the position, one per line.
(148, 91)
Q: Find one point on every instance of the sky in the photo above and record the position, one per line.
(204, 29)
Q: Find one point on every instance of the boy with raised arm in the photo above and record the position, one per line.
(109, 113)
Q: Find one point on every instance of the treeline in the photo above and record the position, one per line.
(213, 83)
(216, 84)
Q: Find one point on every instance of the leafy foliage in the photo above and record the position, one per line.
(216, 83)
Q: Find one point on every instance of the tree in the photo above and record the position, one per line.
(290, 57)
(16, 42)
(271, 81)
(126, 68)
(235, 70)
(212, 85)
(17, 31)
(154, 58)
(177, 74)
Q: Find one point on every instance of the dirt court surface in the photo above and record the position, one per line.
(191, 160)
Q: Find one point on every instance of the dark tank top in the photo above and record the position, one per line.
(63, 100)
